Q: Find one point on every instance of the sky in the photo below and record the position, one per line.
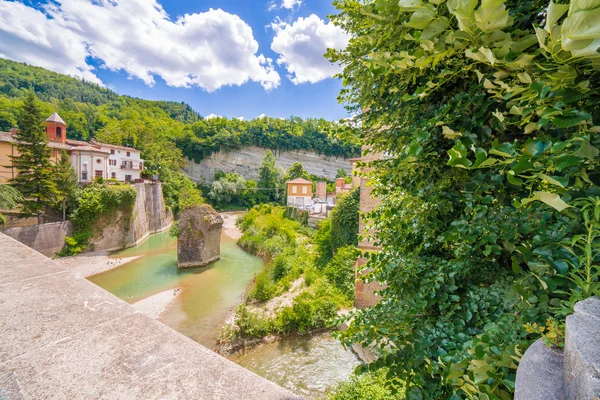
(231, 58)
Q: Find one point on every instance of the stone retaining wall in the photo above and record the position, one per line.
(48, 239)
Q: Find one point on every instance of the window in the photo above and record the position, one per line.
(112, 151)
(113, 175)
(294, 189)
(58, 132)
(127, 178)
(113, 162)
(128, 154)
(98, 173)
(304, 190)
(84, 176)
(98, 161)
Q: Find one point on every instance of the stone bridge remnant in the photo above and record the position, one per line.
(199, 240)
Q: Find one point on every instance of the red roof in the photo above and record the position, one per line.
(300, 181)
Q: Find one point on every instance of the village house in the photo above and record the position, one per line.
(299, 192)
(90, 160)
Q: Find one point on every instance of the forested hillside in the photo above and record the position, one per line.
(164, 131)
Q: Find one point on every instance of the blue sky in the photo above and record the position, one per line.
(233, 58)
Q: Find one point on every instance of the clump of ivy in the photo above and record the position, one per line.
(96, 201)
(486, 117)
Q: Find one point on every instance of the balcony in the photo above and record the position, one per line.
(133, 166)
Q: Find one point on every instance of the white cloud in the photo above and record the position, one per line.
(301, 47)
(211, 116)
(261, 116)
(289, 4)
(210, 49)
(240, 118)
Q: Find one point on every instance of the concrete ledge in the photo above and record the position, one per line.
(582, 351)
(540, 374)
(63, 337)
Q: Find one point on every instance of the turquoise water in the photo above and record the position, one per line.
(207, 294)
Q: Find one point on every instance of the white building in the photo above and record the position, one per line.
(90, 162)
(124, 163)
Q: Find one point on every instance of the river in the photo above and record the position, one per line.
(204, 297)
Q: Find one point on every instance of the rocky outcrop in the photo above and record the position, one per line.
(199, 240)
(247, 162)
(573, 374)
(149, 215)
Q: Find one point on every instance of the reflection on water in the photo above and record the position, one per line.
(306, 365)
(207, 294)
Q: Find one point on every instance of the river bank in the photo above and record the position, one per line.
(92, 263)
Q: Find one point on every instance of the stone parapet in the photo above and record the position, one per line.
(573, 374)
(63, 337)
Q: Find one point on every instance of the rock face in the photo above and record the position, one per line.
(247, 162)
(199, 241)
(149, 215)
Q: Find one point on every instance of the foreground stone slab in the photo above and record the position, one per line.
(62, 337)
(582, 351)
(199, 240)
(540, 374)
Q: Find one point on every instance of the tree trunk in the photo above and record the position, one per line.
(64, 209)
(40, 217)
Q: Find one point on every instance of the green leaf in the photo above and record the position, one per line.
(553, 14)
(568, 120)
(491, 16)
(458, 156)
(552, 199)
(421, 18)
(587, 151)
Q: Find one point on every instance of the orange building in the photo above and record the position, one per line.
(299, 192)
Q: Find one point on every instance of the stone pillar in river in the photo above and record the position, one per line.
(199, 240)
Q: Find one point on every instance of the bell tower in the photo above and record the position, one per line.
(56, 129)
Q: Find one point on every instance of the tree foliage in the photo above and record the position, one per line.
(221, 134)
(269, 179)
(66, 181)
(35, 177)
(487, 113)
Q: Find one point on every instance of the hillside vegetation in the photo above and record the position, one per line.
(164, 131)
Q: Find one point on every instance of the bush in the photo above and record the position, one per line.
(340, 270)
(371, 385)
(251, 325)
(264, 288)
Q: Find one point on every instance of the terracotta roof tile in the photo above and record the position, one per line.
(300, 180)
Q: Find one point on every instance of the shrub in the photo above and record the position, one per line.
(371, 385)
(251, 325)
(340, 270)
(264, 288)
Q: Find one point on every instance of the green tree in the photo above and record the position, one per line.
(66, 181)
(297, 171)
(35, 179)
(269, 179)
(9, 199)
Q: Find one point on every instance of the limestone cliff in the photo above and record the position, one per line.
(248, 160)
(122, 230)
